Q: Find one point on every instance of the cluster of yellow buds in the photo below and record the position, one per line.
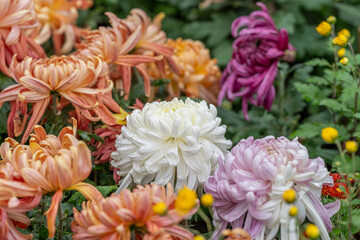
(325, 28)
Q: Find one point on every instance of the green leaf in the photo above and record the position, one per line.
(160, 82)
(318, 62)
(348, 95)
(357, 115)
(223, 52)
(311, 92)
(88, 136)
(307, 130)
(214, 31)
(334, 105)
(318, 80)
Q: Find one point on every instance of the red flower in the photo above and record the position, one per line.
(335, 190)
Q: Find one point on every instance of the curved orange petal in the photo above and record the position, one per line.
(52, 212)
(87, 190)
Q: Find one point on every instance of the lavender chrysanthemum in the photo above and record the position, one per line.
(253, 68)
(249, 184)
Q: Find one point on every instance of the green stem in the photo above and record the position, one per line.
(342, 155)
(335, 68)
(353, 162)
(206, 219)
(60, 227)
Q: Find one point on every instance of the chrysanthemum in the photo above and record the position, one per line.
(197, 74)
(54, 164)
(119, 216)
(16, 198)
(153, 40)
(249, 184)
(113, 44)
(177, 142)
(236, 234)
(15, 17)
(58, 20)
(257, 50)
(82, 82)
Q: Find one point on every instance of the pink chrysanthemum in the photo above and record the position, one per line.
(256, 52)
(249, 184)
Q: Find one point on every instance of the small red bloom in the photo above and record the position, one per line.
(335, 190)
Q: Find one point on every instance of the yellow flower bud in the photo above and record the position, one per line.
(293, 211)
(345, 32)
(207, 200)
(341, 40)
(337, 164)
(312, 231)
(160, 208)
(351, 146)
(331, 19)
(199, 237)
(344, 61)
(329, 134)
(341, 52)
(185, 201)
(324, 28)
(289, 196)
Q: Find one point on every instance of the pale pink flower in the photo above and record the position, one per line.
(249, 184)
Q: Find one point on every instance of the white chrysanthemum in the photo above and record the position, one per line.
(176, 141)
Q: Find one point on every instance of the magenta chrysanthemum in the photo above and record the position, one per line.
(249, 184)
(256, 51)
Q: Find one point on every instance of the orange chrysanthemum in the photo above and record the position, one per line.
(198, 74)
(16, 198)
(153, 40)
(54, 164)
(113, 44)
(120, 216)
(82, 82)
(15, 17)
(57, 19)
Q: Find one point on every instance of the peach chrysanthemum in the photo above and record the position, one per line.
(131, 213)
(16, 198)
(58, 20)
(54, 164)
(236, 234)
(198, 75)
(82, 82)
(153, 40)
(15, 17)
(113, 44)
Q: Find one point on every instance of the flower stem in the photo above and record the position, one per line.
(206, 219)
(357, 93)
(335, 68)
(341, 154)
(60, 227)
